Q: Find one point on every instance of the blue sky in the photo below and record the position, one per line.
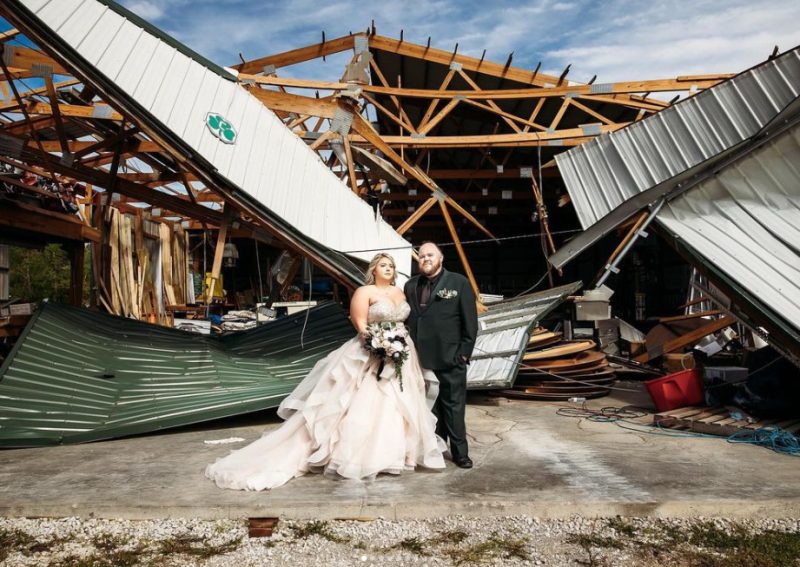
(614, 39)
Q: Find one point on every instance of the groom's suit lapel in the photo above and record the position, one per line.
(414, 285)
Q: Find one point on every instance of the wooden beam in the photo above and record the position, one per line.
(54, 106)
(508, 173)
(460, 249)
(433, 122)
(96, 112)
(432, 107)
(590, 112)
(416, 215)
(9, 34)
(300, 55)
(500, 140)
(27, 218)
(494, 109)
(394, 99)
(32, 60)
(491, 103)
(687, 339)
(227, 217)
(4, 107)
(590, 92)
(351, 170)
(389, 114)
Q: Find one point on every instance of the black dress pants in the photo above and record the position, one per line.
(449, 409)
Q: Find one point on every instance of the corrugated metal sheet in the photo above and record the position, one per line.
(77, 376)
(611, 169)
(267, 161)
(745, 220)
(503, 333)
(726, 161)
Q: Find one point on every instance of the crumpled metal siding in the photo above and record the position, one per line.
(76, 375)
(503, 333)
(746, 221)
(603, 173)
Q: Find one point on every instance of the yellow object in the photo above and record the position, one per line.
(218, 292)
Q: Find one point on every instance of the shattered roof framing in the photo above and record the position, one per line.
(77, 376)
(445, 112)
(152, 81)
(725, 162)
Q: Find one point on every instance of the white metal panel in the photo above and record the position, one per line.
(676, 139)
(257, 167)
(203, 98)
(36, 5)
(138, 63)
(179, 116)
(114, 59)
(210, 144)
(746, 222)
(248, 120)
(81, 22)
(155, 75)
(270, 164)
(55, 13)
(235, 114)
(102, 35)
(170, 93)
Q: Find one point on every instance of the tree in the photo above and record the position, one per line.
(39, 274)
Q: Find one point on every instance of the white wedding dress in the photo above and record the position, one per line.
(342, 421)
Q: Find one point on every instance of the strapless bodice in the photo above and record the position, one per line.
(386, 310)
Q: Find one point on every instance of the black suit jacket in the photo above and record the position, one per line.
(446, 330)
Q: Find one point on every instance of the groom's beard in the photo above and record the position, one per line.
(430, 270)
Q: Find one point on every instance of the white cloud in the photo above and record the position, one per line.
(146, 9)
(613, 39)
(659, 41)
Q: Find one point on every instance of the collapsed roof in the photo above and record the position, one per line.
(198, 115)
(720, 173)
(77, 375)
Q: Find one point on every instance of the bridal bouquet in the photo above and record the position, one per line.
(388, 341)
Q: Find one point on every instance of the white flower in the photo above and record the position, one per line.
(385, 344)
(397, 346)
(374, 342)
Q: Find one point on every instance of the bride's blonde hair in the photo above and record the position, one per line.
(370, 279)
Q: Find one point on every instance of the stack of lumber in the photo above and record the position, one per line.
(133, 278)
(554, 369)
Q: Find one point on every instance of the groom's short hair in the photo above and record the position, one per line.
(432, 243)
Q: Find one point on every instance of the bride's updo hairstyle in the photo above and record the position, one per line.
(370, 279)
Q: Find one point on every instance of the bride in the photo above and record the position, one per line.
(341, 420)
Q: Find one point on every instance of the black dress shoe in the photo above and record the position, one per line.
(464, 463)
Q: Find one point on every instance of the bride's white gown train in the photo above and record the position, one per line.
(341, 420)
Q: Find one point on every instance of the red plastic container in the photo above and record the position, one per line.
(681, 389)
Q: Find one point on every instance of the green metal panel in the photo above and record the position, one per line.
(76, 375)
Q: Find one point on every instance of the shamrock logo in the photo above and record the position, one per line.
(220, 127)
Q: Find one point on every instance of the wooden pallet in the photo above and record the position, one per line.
(717, 421)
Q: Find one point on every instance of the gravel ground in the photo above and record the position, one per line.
(517, 540)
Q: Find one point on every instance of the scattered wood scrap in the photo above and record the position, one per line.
(554, 369)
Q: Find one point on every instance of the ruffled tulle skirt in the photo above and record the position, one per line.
(344, 422)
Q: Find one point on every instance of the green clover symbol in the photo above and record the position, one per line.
(221, 128)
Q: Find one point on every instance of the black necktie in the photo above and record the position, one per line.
(425, 293)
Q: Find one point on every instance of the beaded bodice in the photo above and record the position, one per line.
(386, 310)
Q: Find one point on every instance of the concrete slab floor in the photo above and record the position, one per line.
(528, 460)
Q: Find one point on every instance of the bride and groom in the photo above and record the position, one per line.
(350, 417)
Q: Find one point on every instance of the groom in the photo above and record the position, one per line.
(443, 324)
